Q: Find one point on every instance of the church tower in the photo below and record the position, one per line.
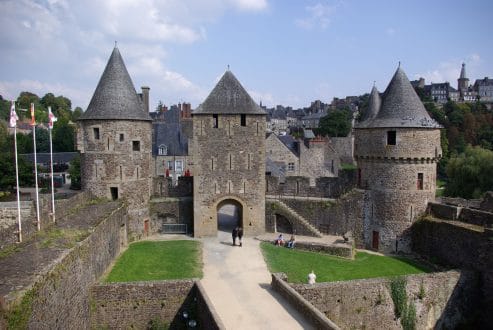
(397, 147)
(462, 82)
(228, 158)
(114, 139)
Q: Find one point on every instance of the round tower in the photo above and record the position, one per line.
(114, 139)
(397, 146)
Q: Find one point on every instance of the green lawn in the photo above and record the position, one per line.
(297, 264)
(158, 260)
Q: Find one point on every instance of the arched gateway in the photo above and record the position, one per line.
(228, 149)
(229, 215)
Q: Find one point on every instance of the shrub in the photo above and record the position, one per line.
(399, 296)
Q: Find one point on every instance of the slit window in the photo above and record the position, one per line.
(243, 120)
(215, 121)
(420, 181)
(96, 133)
(136, 145)
(391, 138)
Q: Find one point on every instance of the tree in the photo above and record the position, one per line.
(471, 173)
(63, 136)
(336, 123)
(77, 113)
(74, 171)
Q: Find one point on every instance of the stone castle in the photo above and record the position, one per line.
(397, 146)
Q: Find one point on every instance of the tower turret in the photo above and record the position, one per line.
(462, 82)
(396, 151)
(114, 139)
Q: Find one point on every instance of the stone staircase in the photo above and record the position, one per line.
(298, 220)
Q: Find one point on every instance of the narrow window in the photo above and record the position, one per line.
(137, 172)
(179, 166)
(257, 127)
(249, 166)
(122, 137)
(96, 133)
(391, 138)
(359, 177)
(114, 193)
(108, 144)
(170, 165)
(229, 186)
(121, 173)
(163, 150)
(244, 187)
(230, 162)
(215, 122)
(136, 145)
(212, 164)
(243, 120)
(420, 181)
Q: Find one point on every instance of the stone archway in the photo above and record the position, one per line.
(229, 215)
(283, 225)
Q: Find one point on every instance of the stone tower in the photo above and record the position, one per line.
(463, 81)
(114, 139)
(397, 146)
(228, 151)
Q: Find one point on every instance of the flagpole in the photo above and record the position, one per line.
(33, 123)
(51, 164)
(19, 224)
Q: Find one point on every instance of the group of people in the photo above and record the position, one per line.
(237, 233)
(280, 241)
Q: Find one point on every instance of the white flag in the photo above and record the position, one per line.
(51, 118)
(13, 115)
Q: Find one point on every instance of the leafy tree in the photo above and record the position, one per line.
(63, 136)
(24, 102)
(77, 113)
(336, 123)
(471, 173)
(74, 171)
(4, 109)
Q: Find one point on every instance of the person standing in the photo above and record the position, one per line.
(312, 278)
(240, 235)
(234, 234)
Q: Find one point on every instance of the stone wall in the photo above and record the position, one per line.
(60, 297)
(136, 305)
(454, 212)
(164, 187)
(170, 210)
(329, 217)
(447, 300)
(330, 187)
(459, 245)
(344, 147)
(9, 221)
(318, 319)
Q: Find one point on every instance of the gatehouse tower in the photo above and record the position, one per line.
(228, 150)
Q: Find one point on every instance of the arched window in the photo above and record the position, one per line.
(162, 150)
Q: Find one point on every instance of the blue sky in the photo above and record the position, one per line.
(283, 51)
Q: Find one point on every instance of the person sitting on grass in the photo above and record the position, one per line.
(279, 241)
(290, 243)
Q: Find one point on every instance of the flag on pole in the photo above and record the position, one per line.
(13, 116)
(33, 121)
(51, 118)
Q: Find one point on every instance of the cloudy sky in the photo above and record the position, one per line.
(288, 52)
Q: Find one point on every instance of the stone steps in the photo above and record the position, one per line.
(300, 219)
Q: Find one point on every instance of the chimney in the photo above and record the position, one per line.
(145, 97)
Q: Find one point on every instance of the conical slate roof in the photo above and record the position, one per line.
(229, 97)
(401, 106)
(374, 104)
(115, 96)
(463, 71)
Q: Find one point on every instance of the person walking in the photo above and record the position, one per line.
(235, 234)
(240, 235)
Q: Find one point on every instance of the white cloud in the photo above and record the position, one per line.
(449, 71)
(390, 31)
(266, 98)
(250, 5)
(318, 17)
